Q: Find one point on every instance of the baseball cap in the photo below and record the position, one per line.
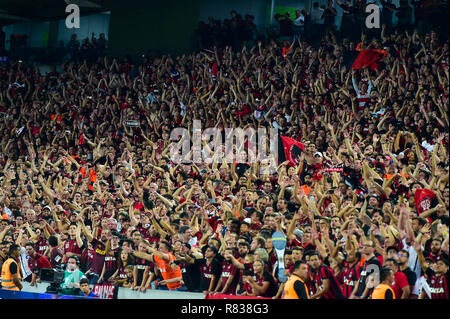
(318, 153)
(116, 233)
(47, 207)
(374, 195)
(445, 260)
(298, 233)
(247, 220)
(249, 210)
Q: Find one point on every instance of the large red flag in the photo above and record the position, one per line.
(425, 200)
(290, 150)
(368, 58)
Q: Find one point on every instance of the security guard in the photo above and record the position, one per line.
(295, 287)
(11, 271)
(384, 290)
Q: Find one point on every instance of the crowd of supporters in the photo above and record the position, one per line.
(86, 170)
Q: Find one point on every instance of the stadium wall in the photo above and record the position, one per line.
(165, 26)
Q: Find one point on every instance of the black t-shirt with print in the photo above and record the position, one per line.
(192, 275)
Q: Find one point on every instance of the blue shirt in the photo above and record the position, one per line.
(91, 294)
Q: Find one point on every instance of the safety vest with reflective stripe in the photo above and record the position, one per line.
(380, 292)
(289, 291)
(7, 277)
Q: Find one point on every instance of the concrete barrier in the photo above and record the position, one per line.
(127, 293)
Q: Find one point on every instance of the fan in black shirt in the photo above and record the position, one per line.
(403, 257)
(210, 268)
(347, 13)
(190, 264)
(328, 16)
(371, 265)
(387, 12)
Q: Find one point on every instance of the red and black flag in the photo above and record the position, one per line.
(425, 200)
(289, 150)
(368, 58)
(81, 140)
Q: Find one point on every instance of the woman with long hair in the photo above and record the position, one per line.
(120, 276)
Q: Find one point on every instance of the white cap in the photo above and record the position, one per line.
(247, 220)
(318, 153)
(298, 233)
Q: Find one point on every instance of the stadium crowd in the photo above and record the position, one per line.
(87, 181)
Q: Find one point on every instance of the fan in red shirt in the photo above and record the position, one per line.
(401, 285)
(72, 247)
(36, 262)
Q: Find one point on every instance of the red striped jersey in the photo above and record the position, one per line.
(324, 272)
(248, 288)
(438, 284)
(111, 263)
(153, 239)
(349, 276)
(86, 259)
(228, 270)
(144, 231)
(71, 246)
(41, 245)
